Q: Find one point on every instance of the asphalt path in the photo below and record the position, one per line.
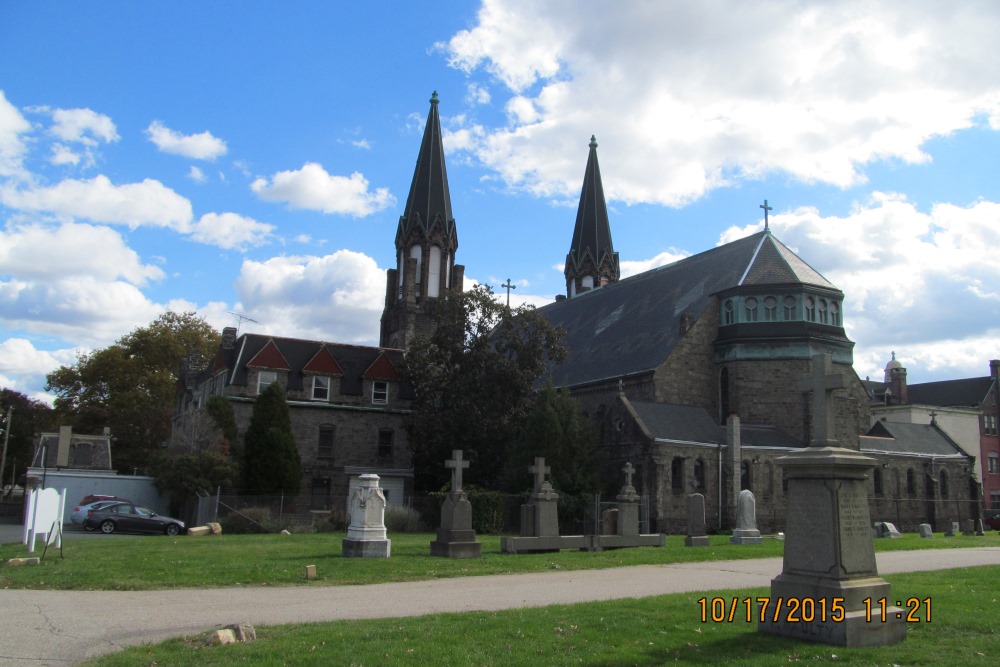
(65, 627)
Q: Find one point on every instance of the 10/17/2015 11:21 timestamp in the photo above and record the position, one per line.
(808, 610)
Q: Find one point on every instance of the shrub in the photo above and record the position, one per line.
(402, 519)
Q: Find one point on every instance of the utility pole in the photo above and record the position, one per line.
(6, 438)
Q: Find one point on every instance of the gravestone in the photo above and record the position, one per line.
(886, 529)
(950, 528)
(540, 519)
(696, 535)
(455, 537)
(969, 527)
(625, 532)
(829, 550)
(925, 530)
(366, 536)
(609, 521)
(746, 520)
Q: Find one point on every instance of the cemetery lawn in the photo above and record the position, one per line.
(160, 562)
(961, 630)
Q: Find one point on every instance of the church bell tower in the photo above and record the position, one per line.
(592, 261)
(426, 242)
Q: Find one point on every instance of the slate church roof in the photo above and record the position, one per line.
(689, 424)
(632, 326)
(919, 439)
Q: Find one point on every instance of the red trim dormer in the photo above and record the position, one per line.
(323, 363)
(382, 369)
(269, 357)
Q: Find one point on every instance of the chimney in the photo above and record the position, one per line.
(228, 338)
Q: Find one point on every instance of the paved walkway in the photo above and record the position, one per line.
(64, 627)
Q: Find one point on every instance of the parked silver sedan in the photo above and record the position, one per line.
(130, 518)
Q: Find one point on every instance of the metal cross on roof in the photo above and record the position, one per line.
(509, 286)
(539, 470)
(457, 465)
(821, 383)
(766, 209)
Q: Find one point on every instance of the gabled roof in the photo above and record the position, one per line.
(429, 197)
(919, 439)
(969, 392)
(381, 369)
(353, 361)
(632, 326)
(686, 423)
(592, 232)
(269, 357)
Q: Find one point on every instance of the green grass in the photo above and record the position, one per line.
(653, 631)
(159, 562)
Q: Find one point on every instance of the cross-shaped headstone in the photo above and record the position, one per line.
(539, 470)
(456, 464)
(628, 470)
(821, 383)
(766, 209)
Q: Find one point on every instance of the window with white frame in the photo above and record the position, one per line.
(380, 392)
(265, 379)
(320, 388)
(993, 462)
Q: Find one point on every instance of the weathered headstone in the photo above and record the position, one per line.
(626, 527)
(829, 555)
(746, 520)
(950, 528)
(540, 519)
(696, 535)
(969, 527)
(925, 530)
(886, 529)
(455, 537)
(366, 536)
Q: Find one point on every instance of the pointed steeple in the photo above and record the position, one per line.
(592, 260)
(426, 241)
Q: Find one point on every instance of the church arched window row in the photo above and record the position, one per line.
(818, 309)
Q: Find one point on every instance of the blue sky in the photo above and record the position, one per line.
(255, 159)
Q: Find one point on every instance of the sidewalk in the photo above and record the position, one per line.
(63, 627)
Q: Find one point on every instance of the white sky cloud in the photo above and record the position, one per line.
(98, 199)
(231, 231)
(12, 147)
(335, 297)
(196, 174)
(312, 188)
(23, 367)
(83, 126)
(201, 146)
(689, 98)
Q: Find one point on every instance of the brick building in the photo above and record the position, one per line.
(691, 372)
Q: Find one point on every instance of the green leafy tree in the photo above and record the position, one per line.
(556, 429)
(473, 378)
(27, 417)
(270, 457)
(131, 386)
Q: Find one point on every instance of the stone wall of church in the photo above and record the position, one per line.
(688, 375)
(893, 498)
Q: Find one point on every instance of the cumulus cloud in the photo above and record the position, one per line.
(23, 367)
(83, 126)
(201, 146)
(196, 175)
(631, 268)
(336, 297)
(231, 231)
(12, 147)
(99, 200)
(691, 97)
(312, 188)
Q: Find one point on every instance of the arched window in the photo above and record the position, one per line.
(417, 254)
(728, 314)
(810, 304)
(877, 479)
(911, 484)
(587, 282)
(699, 475)
(822, 311)
(745, 475)
(770, 309)
(943, 482)
(724, 407)
(751, 308)
(677, 474)
(447, 270)
(434, 272)
(789, 308)
(835, 313)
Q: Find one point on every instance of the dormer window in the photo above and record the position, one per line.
(264, 380)
(380, 392)
(321, 388)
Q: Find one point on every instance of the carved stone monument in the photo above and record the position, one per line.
(925, 530)
(626, 532)
(540, 519)
(829, 550)
(886, 529)
(455, 537)
(366, 536)
(696, 535)
(746, 520)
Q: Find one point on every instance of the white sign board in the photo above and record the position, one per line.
(44, 515)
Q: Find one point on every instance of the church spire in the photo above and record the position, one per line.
(592, 260)
(426, 241)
